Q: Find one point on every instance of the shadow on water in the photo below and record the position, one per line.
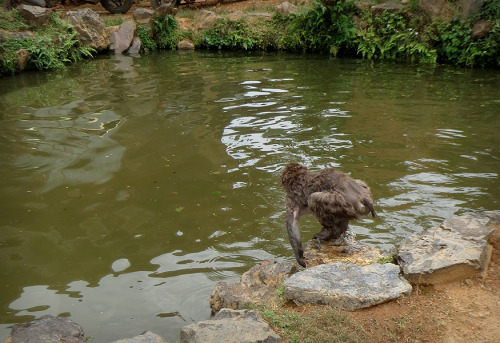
(132, 185)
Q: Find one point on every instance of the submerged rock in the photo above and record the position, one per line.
(47, 329)
(455, 250)
(146, 337)
(347, 286)
(230, 326)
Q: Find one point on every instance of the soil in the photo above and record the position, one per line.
(465, 311)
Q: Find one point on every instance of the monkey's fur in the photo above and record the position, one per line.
(333, 197)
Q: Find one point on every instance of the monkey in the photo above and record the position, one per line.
(333, 197)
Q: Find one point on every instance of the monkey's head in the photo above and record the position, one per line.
(292, 173)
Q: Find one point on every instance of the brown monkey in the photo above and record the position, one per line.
(333, 197)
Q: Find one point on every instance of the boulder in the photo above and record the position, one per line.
(433, 8)
(135, 46)
(146, 337)
(391, 7)
(22, 59)
(256, 286)
(122, 38)
(35, 15)
(185, 44)
(206, 20)
(469, 7)
(166, 9)
(481, 28)
(344, 249)
(286, 8)
(347, 286)
(47, 329)
(455, 250)
(230, 326)
(90, 28)
(143, 17)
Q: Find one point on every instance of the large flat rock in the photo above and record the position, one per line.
(455, 250)
(347, 286)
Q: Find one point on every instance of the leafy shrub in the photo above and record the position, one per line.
(49, 48)
(165, 32)
(227, 35)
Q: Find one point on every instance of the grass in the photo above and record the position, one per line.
(313, 324)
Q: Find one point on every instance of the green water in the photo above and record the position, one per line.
(130, 186)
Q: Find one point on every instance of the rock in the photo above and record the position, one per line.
(286, 8)
(135, 47)
(166, 9)
(90, 28)
(143, 17)
(185, 44)
(47, 329)
(433, 8)
(206, 20)
(391, 7)
(347, 286)
(122, 38)
(40, 3)
(256, 286)
(22, 59)
(241, 326)
(146, 337)
(469, 7)
(235, 16)
(481, 28)
(345, 249)
(34, 15)
(455, 250)
(261, 16)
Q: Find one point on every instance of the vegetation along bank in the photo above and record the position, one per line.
(416, 31)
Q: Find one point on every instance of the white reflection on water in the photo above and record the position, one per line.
(69, 147)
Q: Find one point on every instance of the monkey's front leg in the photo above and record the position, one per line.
(292, 226)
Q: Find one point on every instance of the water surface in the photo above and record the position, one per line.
(130, 186)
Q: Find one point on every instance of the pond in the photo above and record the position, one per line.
(132, 185)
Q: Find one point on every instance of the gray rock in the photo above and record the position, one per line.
(34, 15)
(206, 20)
(256, 286)
(135, 47)
(229, 326)
(146, 337)
(47, 329)
(481, 28)
(143, 17)
(90, 28)
(185, 44)
(391, 7)
(122, 38)
(433, 8)
(22, 59)
(455, 250)
(469, 7)
(286, 8)
(347, 286)
(166, 9)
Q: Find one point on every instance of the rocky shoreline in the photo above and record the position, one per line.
(342, 274)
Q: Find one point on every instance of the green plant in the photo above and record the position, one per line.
(146, 37)
(12, 21)
(113, 20)
(228, 35)
(49, 48)
(165, 32)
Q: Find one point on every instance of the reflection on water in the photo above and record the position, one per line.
(132, 185)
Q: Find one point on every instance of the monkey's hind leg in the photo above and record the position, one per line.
(332, 232)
